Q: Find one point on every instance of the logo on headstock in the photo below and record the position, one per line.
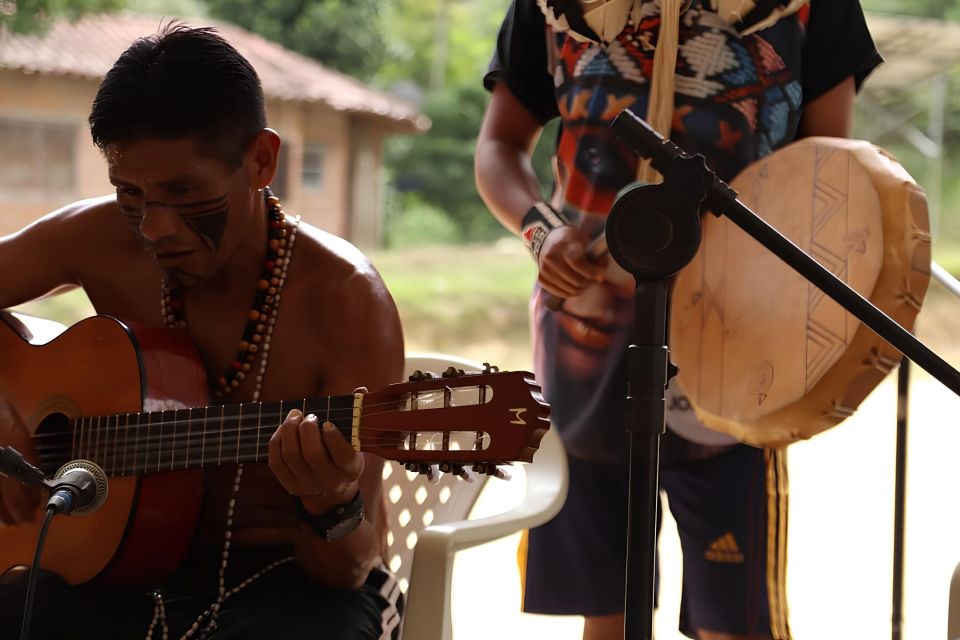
(518, 416)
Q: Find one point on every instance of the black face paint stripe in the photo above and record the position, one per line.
(210, 226)
(205, 212)
(219, 201)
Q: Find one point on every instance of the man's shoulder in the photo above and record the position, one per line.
(88, 210)
(90, 219)
(323, 261)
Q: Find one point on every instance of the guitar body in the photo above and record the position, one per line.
(101, 367)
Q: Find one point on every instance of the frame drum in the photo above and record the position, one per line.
(765, 356)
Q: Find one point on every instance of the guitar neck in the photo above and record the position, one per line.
(189, 438)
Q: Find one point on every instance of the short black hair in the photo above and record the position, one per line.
(181, 82)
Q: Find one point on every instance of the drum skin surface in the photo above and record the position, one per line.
(765, 356)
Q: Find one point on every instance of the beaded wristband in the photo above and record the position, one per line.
(539, 221)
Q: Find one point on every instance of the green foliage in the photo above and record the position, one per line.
(36, 15)
(929, 8)
(412, 222)
(439, 165)
(345, 35)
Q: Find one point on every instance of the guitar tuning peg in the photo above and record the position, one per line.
(428, 470)
(457, 470)
(499, 472)
(492, 470)
(490, 368)
(453, 372)
(419, 375)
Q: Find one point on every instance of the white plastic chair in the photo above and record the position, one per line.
(428, 521)
(953, 607)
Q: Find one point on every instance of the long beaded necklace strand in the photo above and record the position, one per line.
(254, 343)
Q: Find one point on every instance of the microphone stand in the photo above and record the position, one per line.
(653, 231)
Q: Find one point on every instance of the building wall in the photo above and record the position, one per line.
(44, 99)
(327, 206)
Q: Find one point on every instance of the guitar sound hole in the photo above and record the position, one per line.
(53, 441)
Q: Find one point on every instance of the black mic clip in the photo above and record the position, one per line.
(79, 487)
(14, 465)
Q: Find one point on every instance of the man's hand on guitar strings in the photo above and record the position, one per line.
(18, 502)
(314, 461)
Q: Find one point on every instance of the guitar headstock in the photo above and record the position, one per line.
(452, 420)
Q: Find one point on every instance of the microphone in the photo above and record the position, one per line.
(78, 488)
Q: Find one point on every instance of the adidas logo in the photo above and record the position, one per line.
(724, 549)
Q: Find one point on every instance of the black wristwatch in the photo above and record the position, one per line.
(335, 523)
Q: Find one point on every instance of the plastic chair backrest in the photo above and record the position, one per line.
(412, 501)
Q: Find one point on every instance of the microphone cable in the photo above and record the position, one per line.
(34, 571)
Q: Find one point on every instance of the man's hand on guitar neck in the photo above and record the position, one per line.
(313, 461)
(18, 502)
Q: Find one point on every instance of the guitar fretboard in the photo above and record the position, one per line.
(175, 439)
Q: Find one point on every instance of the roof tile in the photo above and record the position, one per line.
(89, 47)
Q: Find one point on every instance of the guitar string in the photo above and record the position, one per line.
(181, 458)
(183, 431)
(338, 413)
(155, 433)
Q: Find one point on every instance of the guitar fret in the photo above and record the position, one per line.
(110, 444)
(160, 441)
(126, 439)
(105, 465)
(96, 439)
(136, 444)
(146, 443)
(86, 446)
(203, 439)
(256, 454)
(73, 447)
(173, 440)
(239, 425)
(220, 448)
(186, 457)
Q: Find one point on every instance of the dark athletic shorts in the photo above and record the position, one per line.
(731, 516)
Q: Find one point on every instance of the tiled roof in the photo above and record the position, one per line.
(89, 47)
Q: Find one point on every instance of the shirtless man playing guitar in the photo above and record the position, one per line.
(194, 239)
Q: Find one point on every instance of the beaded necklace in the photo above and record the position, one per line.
(266, 303)
(255, 342)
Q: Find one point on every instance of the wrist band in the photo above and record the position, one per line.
(337, 522)
(539, 221)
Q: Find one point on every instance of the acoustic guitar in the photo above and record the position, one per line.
(134, 401)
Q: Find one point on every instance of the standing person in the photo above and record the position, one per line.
(195, 240)
(733, 80)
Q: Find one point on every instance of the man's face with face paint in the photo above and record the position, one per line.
(186, 207)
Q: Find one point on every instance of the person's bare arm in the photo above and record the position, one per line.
(830, 114)
(44, 257)
(508, 185)
(368, 352)
(503, 170)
